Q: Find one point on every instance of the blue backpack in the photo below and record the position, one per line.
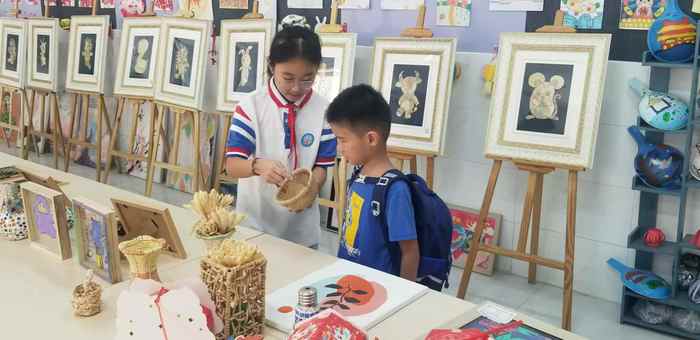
(433, 225)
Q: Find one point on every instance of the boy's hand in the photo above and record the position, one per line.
(410, 258)
(273, 172)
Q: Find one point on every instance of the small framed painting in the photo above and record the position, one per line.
(338, 63)
(138, 51)
(43, 53)
(46, 218)
(415, 77)
(96, 233)
(183, 58)
(13, 52)
(245, 45)
(547, 99)
(87, 53)
(464, 222)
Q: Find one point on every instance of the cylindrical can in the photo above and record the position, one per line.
(307, 306)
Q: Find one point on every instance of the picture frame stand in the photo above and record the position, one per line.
(17, 126)
(171, 165)
(255, 13)
(558, 26)
(400, 157)
(419, 31)
(81, 109)
(333, 26)
(532, 209)
(54, 133)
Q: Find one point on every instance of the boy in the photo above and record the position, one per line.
(361, 121)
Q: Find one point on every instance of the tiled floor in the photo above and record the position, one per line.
(593, 318)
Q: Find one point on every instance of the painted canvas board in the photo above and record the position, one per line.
(87, 53)
(46, 218)
(516, 5)
(233, 4)
(163, 5)
(132, 8)
(85, 3)
(639, 15)
(305, 4)
(207, 124)
(464, 222)
(402, 4)
(523, 332)
(138, 168)
(139, 45)
(583, 14)
(362, 295)
(10, 109)
(454, 13)
(107, 3)
(355, 4)
(67, 3)
(96, 236)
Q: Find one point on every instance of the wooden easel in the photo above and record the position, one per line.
(333, 26)
(340, 179)
(255, 13)
(400, 157)
(419, 31)
(532, 210)
(56, 133)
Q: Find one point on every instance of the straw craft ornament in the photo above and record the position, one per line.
(216, 218)
(295, 193)
(142, 254)
(232, 253)
(87, 297)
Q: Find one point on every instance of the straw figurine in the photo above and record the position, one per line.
(295, 193)
(87, 297)
(142, 254)
(217, 221)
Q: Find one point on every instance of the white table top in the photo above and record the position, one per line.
(35, 289)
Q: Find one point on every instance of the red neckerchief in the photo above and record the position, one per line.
(292, 111)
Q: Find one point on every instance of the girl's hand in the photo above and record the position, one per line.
(273, 172)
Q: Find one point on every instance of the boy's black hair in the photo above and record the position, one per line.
(294, 42)
(361, 108)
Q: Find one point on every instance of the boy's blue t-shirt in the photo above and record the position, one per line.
(361, 237)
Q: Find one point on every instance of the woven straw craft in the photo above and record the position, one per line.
(87, 297)
(295, 193)
(142, 254)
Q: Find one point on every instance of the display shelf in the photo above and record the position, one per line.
(663, 328)
(639, 185)
(649, 60)
(642, 125)
(693, 183)
(680, 300)
(635, 241)
(686, 245)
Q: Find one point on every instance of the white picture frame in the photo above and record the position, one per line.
(13, 57)
(43, 53)
(245, 47)
(87, 54)
(138, 54)
(564, 134)
(183, 85)
(425, 66)
(337, 65)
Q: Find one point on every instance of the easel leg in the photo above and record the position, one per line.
(527, 213)
(483, 214)
(413, 164)
(569, 252)
(197, 162)
(341, 185)
(221, 151)
(22, 128)
(31, 123)
(113, 137)
(430, 171)
(59, 125)
(153, 147)
(535, 236)
(69, 149)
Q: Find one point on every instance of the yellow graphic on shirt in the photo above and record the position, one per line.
(352, 222)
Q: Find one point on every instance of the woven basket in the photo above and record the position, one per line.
(142, 254)
(239, 295)
(295, 193)
(211, 242)
(87, 298)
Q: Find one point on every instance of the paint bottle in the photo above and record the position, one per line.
(307, 306)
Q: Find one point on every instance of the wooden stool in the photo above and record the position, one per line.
(81, 139)
(52, 133)
(14, 126)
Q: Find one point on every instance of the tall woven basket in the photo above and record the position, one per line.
(142, 254)
(239, 295)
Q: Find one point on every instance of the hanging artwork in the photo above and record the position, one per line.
(464, 221)
(415, 77)
(245, 45)
(304, 3)
(67, 3)
(639, 15)
(42, 56)
(516, 5)
(402, 4)
(184, 182)
(337, 65)
(85, 3)
(355, 4)
(96, 236)
(233, 4)
(140, 41)
(454, 12)
(362, 295)
(163, 5)
(107, 3)
(46, 217)
(583, 14)
(138, 168)
(521, 332)
(132, 8)
(13, 55)
(52, 3)
(87, 53)
(10, 113)
(200, 9)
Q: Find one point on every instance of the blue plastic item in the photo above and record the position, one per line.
(658, 109)
(642, 282)
(671, 37)
(658, 165)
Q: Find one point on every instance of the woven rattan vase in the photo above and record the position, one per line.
(142, 254)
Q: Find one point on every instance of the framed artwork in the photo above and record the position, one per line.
(464, 221)
(454, 13)
(96, 234)
(355, 4)
(46, 218)
(136, 70)
(13, 52)
(245, 45)
(415, 77)
(338, 64)
(639, 15)
(43, 58)
(402, 4)
(583, 14)
(547, 98)
(139, 220)
(362, 295)
(207, 133)
(183, 59)
(516, 5)
(87, 53)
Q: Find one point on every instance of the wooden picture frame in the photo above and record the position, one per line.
(135, 219)
(547, 99)
(96, 236)
(43, 54)
(138, 53)
(182, 63)
(46, 218)
(13, 49)
(464, 222)
(337, 64)
(415, 77)
(245, 46)
(87, 54)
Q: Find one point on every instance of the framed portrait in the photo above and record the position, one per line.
(13, 52)
(46, 218)
(87, 53)
(547, 99)
(96, 235)
(464, 221)
(138, 53)
(43, 41)
(337, 63)
(415, 77)
(183, 58)
(245, 45)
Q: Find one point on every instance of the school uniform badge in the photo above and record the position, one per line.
(307, 139)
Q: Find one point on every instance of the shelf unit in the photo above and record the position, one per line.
(649, 198)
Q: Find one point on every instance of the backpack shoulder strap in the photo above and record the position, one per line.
(380, 191)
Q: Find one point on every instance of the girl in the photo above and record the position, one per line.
(277, 130)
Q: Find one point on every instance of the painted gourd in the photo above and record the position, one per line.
(642, 282)
(658, 165)
(671, 37)
(654, 237)
(658, 109)
(694, 292)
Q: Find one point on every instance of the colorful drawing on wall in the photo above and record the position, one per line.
(132, 8)
(362, 295)
(201, 9)
(10, 114)
(107, 3)
(85, 3)
(454, 12)
(402, 4)
(355, 4)
(183, 182)
(88, 156)
(516, 5)
(67, 3)
(233, 4)
(52, 3)
(583, 14)
(96, 236)
(464, 221)
(305, 4)
(640, 14)
(163, 5)
(138, 168)
(524, 332)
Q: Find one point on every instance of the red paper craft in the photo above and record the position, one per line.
(327, 325)
(470, 334)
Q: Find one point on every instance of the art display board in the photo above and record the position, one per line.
(13, 52)
(96, 236)
(87, 54)
(138, 53)
(45, 58)
(46, 218)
